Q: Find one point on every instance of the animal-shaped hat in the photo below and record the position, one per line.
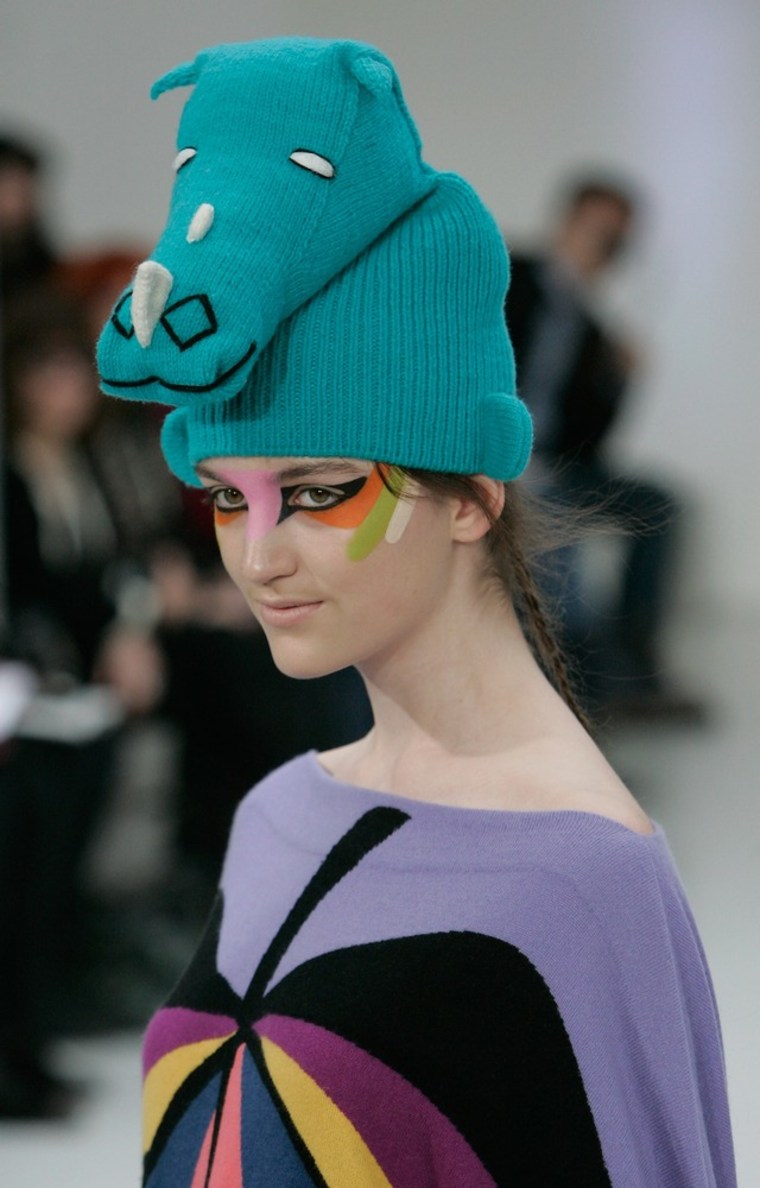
(402, 358)
(293, 156)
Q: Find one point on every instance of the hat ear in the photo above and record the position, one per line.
(183, 75)
(507, 436)
(377, 75)
(373, 72)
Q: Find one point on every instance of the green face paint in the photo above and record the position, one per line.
(372, 530)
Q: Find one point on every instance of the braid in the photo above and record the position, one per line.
(508, 544)
(509, 530)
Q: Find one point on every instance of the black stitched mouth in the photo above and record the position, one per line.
(171, 387)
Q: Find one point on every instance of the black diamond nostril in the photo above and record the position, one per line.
(190, 320)
(123, 324)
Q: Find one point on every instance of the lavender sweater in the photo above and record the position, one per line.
(398, 993)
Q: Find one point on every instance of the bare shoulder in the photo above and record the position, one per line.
(617, 804)
(574, 775)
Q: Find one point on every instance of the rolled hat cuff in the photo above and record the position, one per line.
(501, 449)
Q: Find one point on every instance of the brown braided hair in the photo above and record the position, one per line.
(518, 539)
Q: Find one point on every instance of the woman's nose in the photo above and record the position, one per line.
(266, 557)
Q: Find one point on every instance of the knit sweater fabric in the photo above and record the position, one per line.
(394, 992)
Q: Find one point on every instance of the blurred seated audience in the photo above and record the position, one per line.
(68, 571)
(574, 373)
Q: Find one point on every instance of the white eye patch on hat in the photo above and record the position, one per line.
(314, 162)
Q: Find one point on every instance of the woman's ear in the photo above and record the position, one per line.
(469, 520)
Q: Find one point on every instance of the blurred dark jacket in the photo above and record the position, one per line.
(592, 383)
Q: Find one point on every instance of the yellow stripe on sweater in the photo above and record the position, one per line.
(165, 1078)
(338, 1150)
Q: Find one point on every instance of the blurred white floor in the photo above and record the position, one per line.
(702, 786)
(99, 1146)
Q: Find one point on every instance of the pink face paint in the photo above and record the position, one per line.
(261, 491)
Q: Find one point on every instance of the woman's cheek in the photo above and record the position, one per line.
(230, 543)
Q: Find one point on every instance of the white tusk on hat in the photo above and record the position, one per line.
(152, 285)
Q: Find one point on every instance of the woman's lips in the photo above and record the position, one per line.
(286, 615)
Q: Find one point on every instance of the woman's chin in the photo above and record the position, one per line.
(302, 667)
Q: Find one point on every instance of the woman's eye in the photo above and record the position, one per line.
(315, 498)
(183, 156)
(227, 499)
(314, 162)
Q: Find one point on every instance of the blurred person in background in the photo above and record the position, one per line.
(574, 373)
(26, 252)
(148, 503)
(86, 522)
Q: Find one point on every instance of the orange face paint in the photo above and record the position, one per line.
(355, 510)
(223, 517)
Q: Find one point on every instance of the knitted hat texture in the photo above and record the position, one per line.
(403, 358)
(294, 155)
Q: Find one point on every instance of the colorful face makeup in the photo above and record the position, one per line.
(364, 504)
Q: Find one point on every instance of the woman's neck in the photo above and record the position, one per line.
(467, 687)
(464, 716)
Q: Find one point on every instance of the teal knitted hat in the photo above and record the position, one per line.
(294, 155)
(404, 358)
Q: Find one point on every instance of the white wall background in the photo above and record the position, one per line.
(511, 93)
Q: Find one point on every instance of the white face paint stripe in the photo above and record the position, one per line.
(402, 514)
(200, 223)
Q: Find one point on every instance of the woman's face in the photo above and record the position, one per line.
(336, 569)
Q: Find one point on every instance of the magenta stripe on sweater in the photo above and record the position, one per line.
(173, 1027)
(390, 1114)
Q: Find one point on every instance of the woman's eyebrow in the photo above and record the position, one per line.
(318, 466)
(203, 471)
(295, 473)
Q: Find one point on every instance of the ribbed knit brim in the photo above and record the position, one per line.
(403, 358)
